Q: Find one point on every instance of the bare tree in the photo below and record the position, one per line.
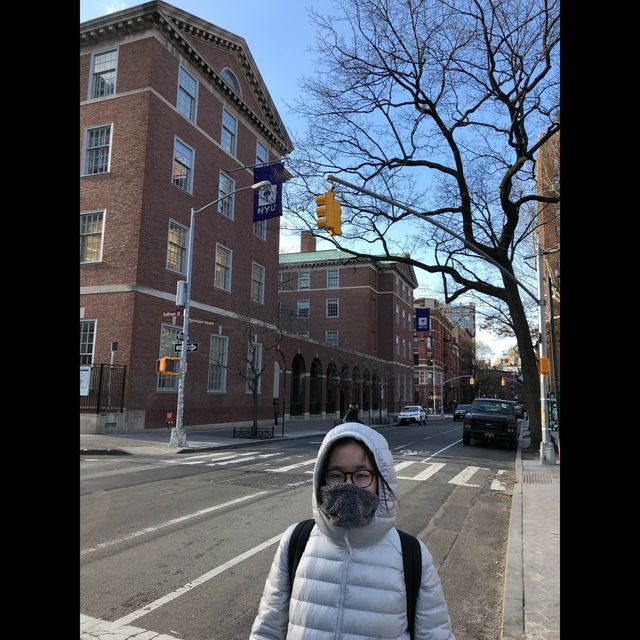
(443, 106)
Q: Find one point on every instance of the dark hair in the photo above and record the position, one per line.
(387, 491)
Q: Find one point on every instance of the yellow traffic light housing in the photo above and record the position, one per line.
(503, 382)
(472, 380)
(329, 213)
(168, 365)
(544, 365)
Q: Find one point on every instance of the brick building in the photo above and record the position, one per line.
(173, 115)
(362, 308)
(548, 183)
(441, 356)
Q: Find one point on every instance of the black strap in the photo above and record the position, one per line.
(412, 564)
(297, 543)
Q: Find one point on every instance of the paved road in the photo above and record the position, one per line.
(181, 545)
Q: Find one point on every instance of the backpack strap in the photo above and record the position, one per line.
(297, 543)
(412, 564)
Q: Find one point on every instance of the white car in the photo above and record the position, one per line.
(412, 413)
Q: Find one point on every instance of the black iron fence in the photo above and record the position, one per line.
(106, 389)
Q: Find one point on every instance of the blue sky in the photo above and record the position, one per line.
(279, 34)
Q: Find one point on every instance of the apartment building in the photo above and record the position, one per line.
(173, 115)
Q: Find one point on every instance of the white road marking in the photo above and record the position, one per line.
(115, 472)
(136, 534)
(464, 475)
(441, 450)
(496, 485)
(291, 466)
(210, 456)
(427, 473)
(97, 627)
(195, 583)
(402, 465)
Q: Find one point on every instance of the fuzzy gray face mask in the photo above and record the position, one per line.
(347, 505)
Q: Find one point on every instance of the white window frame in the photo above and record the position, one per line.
(182, 90)
(190, 169)
(337, 306)
(229, 269)
(93, 74)
(303, 307)
(230, 145)
(233, 82)
(260, 229)
(332, 337)
(331, 274)
(303, 334)
(260, 283)
(101, 212)
(85, 354)
(398, 315)
(397, 345)
(85, 159)
(221, 367)
(226, 206)
(304, 276)
(182, 249)
(257, 352)
(261, 160)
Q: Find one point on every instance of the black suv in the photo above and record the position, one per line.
(491, 419)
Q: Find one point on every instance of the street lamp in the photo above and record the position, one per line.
(180, 432)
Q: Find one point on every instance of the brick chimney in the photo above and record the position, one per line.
(307, 242)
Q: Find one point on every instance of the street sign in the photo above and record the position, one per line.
(180, 336)
(191, 346)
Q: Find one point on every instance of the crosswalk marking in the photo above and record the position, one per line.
(223, 459)
(431, 470)
(464, 475)
(292, 466)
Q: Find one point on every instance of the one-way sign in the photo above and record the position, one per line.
(191, 346)
(180, 336)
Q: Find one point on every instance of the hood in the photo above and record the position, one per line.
(385, 515)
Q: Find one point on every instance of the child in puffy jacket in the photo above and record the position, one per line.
(350, 580)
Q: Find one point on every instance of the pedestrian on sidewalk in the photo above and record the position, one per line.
(352, 414)
(350, 580)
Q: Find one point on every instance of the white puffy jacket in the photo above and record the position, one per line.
(349, 584)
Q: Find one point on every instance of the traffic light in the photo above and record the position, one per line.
(168, 365)
(472, 380)
(544, 365)
(329, 213)
(503, 382)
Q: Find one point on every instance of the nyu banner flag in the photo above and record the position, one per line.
(267, 203)
(422, 320)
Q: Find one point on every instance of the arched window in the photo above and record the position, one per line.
(231, 80)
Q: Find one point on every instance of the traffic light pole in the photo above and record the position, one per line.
(442, 383)
(181, 434)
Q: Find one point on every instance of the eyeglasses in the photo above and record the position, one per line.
(361, 478)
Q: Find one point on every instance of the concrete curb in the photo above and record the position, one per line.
(513, 597)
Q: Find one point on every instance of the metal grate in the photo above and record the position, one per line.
(538, 478)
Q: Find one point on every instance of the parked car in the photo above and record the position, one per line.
(518, 407)
(491, 419)
(461, 409)
(412, 413)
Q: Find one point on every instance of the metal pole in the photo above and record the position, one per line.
(182, 436)
(556, 384)
(433, 376)
(442, 395)
(545, 445)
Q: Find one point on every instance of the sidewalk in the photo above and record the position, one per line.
(531, 605)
